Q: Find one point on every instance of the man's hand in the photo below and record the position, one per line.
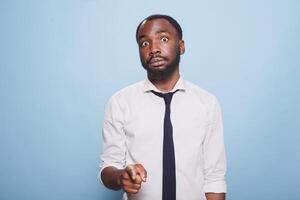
(132, 177)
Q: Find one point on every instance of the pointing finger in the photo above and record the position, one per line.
(142, 171)
(131, 171)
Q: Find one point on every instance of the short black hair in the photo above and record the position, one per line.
(171, 20)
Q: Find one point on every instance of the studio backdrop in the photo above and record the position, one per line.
(60, 61)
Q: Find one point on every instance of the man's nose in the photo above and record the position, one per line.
(155, 48)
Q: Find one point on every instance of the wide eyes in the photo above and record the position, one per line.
(147, 43)
(164, 39)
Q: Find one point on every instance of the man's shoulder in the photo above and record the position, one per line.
(132, 89)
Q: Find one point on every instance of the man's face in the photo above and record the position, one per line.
(159, 48)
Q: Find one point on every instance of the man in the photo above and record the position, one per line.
(163, 137)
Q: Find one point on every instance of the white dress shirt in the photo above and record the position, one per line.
(133, 133)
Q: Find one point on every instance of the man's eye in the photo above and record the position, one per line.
(145, 43)
(164, 39)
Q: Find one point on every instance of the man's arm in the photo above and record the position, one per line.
(215, 196)
(214, 155)
(113, 174)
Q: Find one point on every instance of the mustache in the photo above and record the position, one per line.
(156, 57)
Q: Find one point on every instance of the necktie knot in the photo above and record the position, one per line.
(166, 96)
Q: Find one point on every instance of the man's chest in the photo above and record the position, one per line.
(144, 125)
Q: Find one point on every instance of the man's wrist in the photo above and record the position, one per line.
(119, 177)
(215, 196)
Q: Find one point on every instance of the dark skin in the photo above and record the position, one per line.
(158, 44)
(159, 38)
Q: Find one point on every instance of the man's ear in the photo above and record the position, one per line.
(181, 47)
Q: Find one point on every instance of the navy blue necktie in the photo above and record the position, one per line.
(169, 173)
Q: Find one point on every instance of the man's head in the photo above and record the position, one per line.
(160, 45)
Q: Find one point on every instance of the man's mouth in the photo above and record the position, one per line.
(156, 61)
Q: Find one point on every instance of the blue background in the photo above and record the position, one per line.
(62, 60)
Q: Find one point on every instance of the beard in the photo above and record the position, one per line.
(162, 73)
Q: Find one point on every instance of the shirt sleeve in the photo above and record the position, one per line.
(113, 137)
(214, 153)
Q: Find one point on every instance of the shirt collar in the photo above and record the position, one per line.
(148, 86)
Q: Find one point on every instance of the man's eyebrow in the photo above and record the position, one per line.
(142, 36)
(162, 31)
(157, 32)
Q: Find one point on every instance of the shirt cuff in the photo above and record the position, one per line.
(215, 187)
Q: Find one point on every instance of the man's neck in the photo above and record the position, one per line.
(168, 84)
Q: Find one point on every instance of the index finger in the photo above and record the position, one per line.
(142, 171)
(131, 171)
